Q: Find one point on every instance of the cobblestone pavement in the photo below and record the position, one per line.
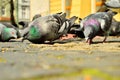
(74, 60)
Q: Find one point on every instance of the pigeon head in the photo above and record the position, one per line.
(88, 32)
(33, 33)
(8, 33)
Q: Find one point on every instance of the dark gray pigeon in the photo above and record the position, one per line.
(48, 28)
(115, 28)
(113, 3)
(7, 32)
(95, 24)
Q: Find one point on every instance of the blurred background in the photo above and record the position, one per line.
(24, 10)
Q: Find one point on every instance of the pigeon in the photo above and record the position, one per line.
(113, 3)
(7, 32)
(115, 28)
(96, 24)
(48, 28)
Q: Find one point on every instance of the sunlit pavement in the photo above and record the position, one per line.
(74, 60)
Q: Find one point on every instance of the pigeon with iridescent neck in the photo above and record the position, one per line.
(48, 28)
(7, 32)
(96, 24)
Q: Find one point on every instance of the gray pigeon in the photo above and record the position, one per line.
(7, 32)
(48, 28)
(95, 24)
(113, 3)
(115, 28)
